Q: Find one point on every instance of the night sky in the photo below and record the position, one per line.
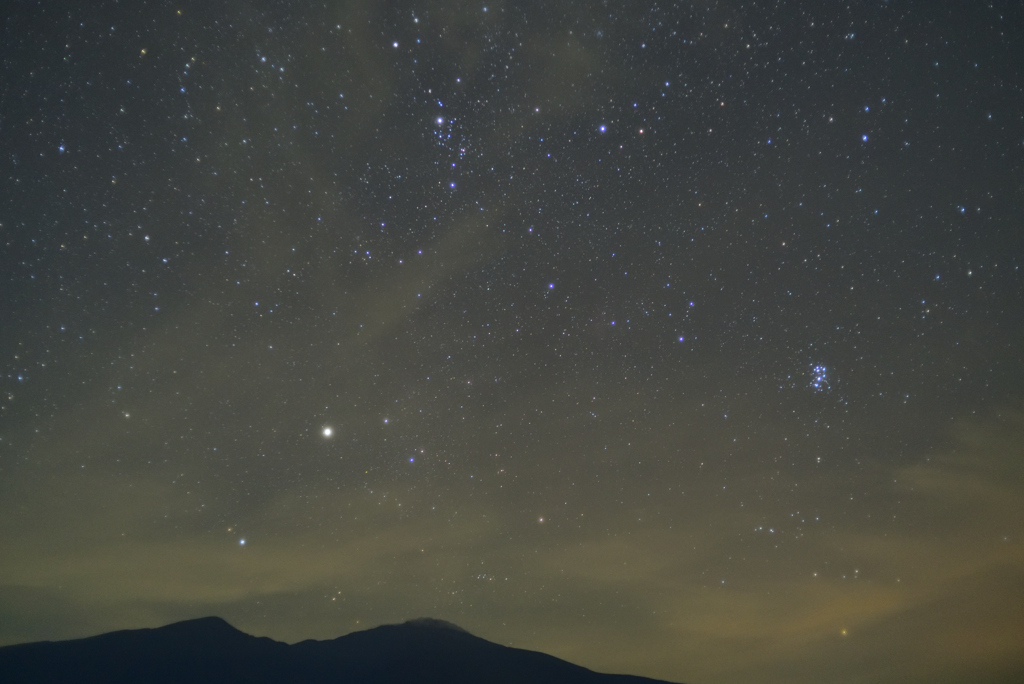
(677, 339)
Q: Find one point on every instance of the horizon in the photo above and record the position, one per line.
(681, 340)
(423, 621)
(210, 649)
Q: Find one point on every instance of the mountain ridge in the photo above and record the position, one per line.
(212, 650)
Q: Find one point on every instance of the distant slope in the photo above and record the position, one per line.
(210, 650)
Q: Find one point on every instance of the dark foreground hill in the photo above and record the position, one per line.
(210, 650)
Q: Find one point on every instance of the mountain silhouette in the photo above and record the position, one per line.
(210, 650)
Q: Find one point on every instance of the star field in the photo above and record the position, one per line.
(677, 339)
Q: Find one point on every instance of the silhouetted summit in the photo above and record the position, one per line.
(434, 623)
(210, 650)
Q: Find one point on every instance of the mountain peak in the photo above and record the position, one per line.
(211, 625)
(208, 622)
(433, 623)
